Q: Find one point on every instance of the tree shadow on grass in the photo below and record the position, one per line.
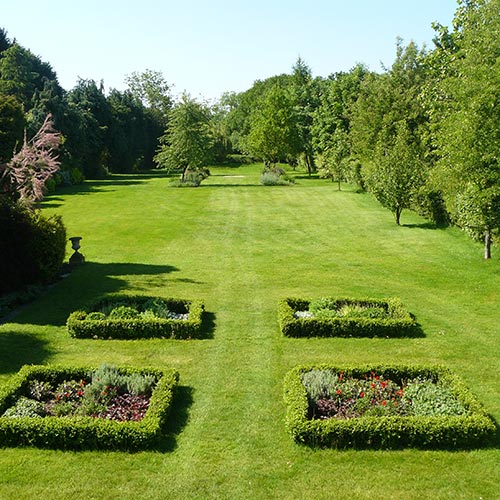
(177, 419)
(83, 286)
(207, 325)
(18, 349)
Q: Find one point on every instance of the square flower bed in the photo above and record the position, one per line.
(137, 317)
(385, 407)
(86, 408)
(346, 317)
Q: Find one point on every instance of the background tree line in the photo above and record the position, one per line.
(422, 134)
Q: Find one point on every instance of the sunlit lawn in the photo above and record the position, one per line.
(240, 247)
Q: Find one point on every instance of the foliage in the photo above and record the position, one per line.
(384, 429)
(276, 177)
(346, 317)
(11, 126)
(466, 127)
(147, 317)
(79, 432)
(273, 133)
(187, 142)
(32, 247)
(26, 174)
(396, 174)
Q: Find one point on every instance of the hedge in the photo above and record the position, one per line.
(84, 432)
(399, 322)
(470, 430)
(138, 328)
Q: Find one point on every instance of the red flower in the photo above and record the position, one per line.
(383, 384)
(372, 385)
(384, 403)
(361, 394)
(339, 391)
(377, 377)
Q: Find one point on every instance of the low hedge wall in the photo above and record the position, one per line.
(399, 322)
(471, 430)
(79, 326)
(84, 432)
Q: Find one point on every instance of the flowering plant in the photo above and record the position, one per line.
(334, 395)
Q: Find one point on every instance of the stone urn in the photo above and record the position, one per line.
(77, 258)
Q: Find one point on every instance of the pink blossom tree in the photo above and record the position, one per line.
(33, 165)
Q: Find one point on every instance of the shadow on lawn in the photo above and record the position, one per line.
(18, 349)
(177, 419)
(84, 285)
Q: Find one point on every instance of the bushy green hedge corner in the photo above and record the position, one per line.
(84, 432)
(399, 323)
(472, 430)
(138, 328)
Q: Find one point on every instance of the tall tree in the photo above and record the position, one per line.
(187, 142)
(274, 132)
(396, 172)
(11, 126)
(467, 137)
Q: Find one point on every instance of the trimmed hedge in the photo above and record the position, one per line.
(399, 322)
(84, 432)
(79, 326)
(471, 430)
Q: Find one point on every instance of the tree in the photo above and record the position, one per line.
(33, 165)
(11, 126)
(86, 127)
(305, 101)
(274, 133)
(187, 142)
(467, 127)
(151, 88)
(335, 160)
(396, 173)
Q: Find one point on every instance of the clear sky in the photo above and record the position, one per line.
(207, 47)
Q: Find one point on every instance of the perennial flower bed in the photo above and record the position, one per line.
(128, 317)
(64, 407)
(383, 407)
(346, 317)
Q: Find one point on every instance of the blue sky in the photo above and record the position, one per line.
(208, 47)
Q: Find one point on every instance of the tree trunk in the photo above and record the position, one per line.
(487, 244)
(398, 216)
(339, 184)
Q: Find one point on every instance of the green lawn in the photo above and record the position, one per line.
(240, 247)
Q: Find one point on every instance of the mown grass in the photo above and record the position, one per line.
(240, 247)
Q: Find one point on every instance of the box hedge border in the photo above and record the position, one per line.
(79, 433)
(401, 323)
(475, 429)
(138, 328)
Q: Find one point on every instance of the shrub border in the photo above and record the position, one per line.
(475, 429)
(84, 432)
(80, 327)
(404, 325)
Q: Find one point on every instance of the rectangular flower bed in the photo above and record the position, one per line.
(383, 407)
(346, 317)
(37, 392)
(137, 317)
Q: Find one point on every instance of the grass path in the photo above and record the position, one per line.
(240, 247)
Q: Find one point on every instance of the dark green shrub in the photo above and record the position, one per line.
(80, 432)
(123, 312)
(85, 324)
(32, 247)
(345, 317)
(382, 430)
